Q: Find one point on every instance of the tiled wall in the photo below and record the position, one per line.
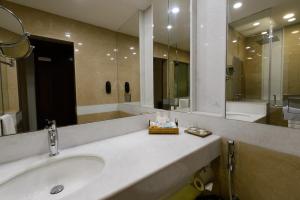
(253, 69)
(260, 174)
(291, 70)
(92, 66)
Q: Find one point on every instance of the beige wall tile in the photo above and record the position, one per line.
(260, 174)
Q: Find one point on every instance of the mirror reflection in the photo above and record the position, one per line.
(171, 54)
(79, 71)
(262, 74)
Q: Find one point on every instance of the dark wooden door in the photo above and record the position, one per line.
(55, 81)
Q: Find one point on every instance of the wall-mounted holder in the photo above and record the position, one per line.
(127, 87)
(108, 87)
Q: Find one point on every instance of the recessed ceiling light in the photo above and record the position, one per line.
(175, 10)
(165, 55)
(169, 27)
(288, 16)
(234, 41)
(115, 50)
(264, 33)
(68, 35)
(125, 57)
(80, 43)
(134, 53)
(253, 51)
(76, 50)
(112, 58)
(295, 32)
(249, 58)
(292, 19)
(108, 54)
(237, 5)
(131, 48)
(248, 47)
(256, 24)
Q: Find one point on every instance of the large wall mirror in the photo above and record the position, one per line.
(82, 66)
(171, 62)
(263, 62)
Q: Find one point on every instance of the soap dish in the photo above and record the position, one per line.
(198, 132)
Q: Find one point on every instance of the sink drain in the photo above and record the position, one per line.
(57, 189)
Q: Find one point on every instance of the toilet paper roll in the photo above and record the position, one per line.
(198, 184)
(203, 178)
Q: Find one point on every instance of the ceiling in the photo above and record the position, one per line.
(266, 12)
(110, 14)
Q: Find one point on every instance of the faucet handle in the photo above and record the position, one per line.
(49, 123)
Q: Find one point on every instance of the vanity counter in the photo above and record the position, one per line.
(128, 159)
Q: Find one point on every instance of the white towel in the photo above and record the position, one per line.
(291, 113)
(1, 134)
(8, 125)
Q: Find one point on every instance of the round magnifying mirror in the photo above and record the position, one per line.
(13, 39)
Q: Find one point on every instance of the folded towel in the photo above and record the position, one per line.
(8, 125)
(1, 134)
(291, 113)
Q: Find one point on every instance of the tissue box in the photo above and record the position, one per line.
(157, 130)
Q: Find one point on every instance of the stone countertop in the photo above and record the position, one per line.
(128, 160)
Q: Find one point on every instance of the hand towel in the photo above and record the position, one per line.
(8, 125)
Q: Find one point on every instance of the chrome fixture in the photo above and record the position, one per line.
(231, 166)
(52, 137)
(57, 189)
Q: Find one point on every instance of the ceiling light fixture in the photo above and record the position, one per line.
(264, 33)
(237, 5)
(175, 10)
(112, 59)
(165, 55)
(295, 32)
(249, 58)
(76, 50)
(68, 35)
(108, 54)
(115, 50)
(134, 53)
(80, 43)
(169, 27)
(234, 41)
(288, 16)
(292, 19)
(125, 57)
(256, 24)
(248, 47)
(131, 48)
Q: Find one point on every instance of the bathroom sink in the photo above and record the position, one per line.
(60, 177)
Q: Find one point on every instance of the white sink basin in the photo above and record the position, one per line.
(36, 183)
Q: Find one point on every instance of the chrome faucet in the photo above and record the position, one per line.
(52, 137)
